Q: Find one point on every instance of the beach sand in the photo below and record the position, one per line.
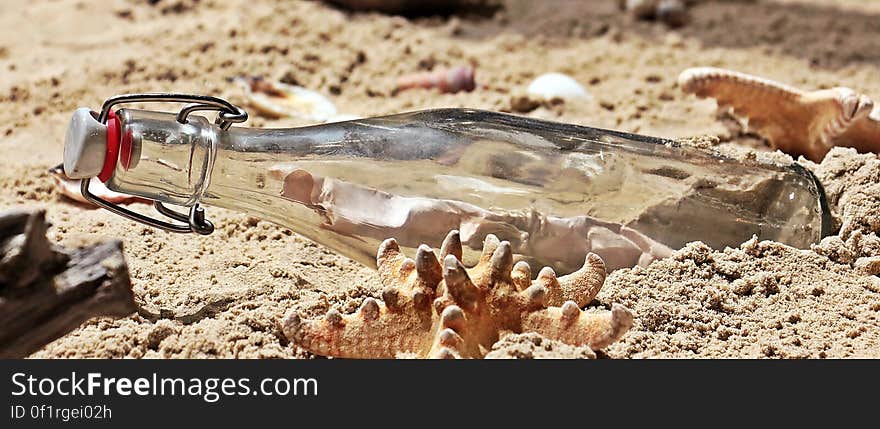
(222, 295)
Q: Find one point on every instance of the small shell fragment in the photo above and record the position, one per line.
(641, 9)
(670, 12)
(450, 80)
(557, 85)
(279, 100)
(70, 188)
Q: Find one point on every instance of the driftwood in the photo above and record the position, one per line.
(47, 291)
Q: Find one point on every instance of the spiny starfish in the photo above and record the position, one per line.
(449, 311)
(797, 122)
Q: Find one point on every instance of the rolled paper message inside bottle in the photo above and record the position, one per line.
(555, 191)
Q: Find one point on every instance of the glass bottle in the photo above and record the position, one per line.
(555, 191)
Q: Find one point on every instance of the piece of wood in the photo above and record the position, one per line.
(47, 291)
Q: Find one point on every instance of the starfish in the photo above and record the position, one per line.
(434, 310)
(797, 122)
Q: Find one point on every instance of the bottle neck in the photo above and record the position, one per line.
(162, 159)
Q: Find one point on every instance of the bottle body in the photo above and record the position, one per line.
(555, 191)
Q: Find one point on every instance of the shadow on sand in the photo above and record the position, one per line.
(825, 36)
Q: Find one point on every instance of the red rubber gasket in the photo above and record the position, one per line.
(113, 127)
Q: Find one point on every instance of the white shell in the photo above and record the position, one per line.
(557, 85)
(641, 8)
(297, 102)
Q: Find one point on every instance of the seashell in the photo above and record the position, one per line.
(641, 9)
(672, 12)
(278, 100)
(449, 80)
(557, 86)
(70, 189)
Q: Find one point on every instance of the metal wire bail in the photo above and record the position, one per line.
(195, 221)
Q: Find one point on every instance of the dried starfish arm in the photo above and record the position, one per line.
(570, 325)
(794, 121)
(579, 287)
(400, 323)
(773, 110)
(476, 305)
(863, 134)
(373, 332)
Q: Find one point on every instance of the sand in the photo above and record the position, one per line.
(222, 295)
